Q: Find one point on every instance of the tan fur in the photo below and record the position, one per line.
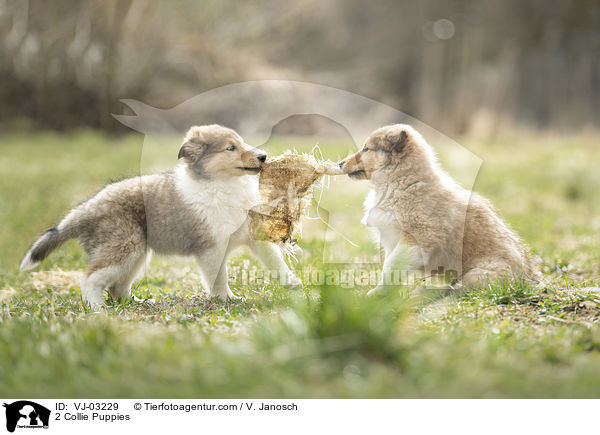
(199, 208)
(421, 212)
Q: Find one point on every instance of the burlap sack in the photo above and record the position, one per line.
(286, 183)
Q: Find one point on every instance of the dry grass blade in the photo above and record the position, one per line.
(55, 279)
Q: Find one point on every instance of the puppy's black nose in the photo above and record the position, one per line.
(341, 163)
(262, 157)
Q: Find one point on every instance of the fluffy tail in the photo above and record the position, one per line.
(48, 242)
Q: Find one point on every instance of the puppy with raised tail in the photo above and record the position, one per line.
(428, 222)
(199, 208)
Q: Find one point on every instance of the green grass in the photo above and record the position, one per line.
(510, 340)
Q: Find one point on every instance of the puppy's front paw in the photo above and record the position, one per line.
(294, 281)
(291, 281)
(94, 305)
(224, 294)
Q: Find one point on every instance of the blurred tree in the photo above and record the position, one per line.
(461, 66)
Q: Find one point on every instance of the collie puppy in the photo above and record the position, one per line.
(199, 208)
(428, 222)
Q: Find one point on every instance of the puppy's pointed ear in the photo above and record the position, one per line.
(184, 152)
(398, 140)
(191, 151)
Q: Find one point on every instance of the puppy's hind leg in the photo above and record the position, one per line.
(95, 281)
(485, 274)
(110, 272)
(121, 289)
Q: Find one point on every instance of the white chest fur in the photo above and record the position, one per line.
(382, 220)
(222, 203)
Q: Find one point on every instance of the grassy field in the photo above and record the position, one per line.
(323, 341)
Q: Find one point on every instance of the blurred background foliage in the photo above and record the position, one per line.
(463, 67)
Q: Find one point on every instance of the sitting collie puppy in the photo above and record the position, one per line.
(199, 208)
(425, 220)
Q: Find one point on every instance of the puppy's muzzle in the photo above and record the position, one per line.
(358, 174)
(253, 161)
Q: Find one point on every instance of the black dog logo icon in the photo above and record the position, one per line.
(30, 414)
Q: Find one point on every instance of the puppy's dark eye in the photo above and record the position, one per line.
(230, 148)
(366, 148)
